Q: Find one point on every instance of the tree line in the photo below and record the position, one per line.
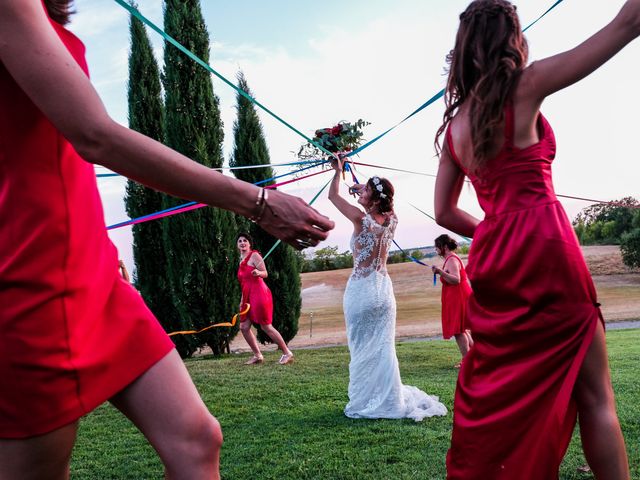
(330, 258)
(615, 223)
(186, 265)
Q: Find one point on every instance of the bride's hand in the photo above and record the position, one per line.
(337, 163)
(356, 189)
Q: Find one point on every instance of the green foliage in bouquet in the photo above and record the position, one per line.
(344, 137)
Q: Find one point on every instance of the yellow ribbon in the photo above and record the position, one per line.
(223, 324)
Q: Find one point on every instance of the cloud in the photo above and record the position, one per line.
(381, 70)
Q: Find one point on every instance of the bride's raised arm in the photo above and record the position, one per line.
(352, 212)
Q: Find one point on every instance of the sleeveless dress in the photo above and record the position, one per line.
(533, 313)
(454, 302)
(256, 293)
(375, 387)
(72, 332)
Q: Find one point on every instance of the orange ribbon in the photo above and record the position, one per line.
(223, 324)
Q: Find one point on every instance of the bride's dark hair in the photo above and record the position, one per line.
(385, 197)
(59, 10)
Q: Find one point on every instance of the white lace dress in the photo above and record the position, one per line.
(375, 388)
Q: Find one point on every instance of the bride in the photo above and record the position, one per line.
(375, 388)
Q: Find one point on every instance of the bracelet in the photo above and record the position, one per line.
(261, 203)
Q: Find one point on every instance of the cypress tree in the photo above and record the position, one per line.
(146, 115)
(200, 244)
(250, 148)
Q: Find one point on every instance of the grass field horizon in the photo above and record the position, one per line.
(418, 301)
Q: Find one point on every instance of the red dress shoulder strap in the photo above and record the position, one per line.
(456, 257)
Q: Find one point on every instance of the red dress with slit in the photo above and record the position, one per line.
(256, 293)
(533, 313)
(454, 302)
(72, 332)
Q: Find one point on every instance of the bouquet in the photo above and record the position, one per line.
(342, 138)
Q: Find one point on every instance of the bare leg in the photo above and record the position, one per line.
(276, 337)
(469, 338)
(250, 338)
(44, 456)
(602, 439)
(463, 343)
(165, 405)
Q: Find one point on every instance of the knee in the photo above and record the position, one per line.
(594, 396)
(245, 327)
(206, 438)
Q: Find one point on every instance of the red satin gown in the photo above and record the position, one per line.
(256, 293)
(533, 313)
(454, 302)
(72, 332)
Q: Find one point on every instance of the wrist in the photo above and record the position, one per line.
(244, 197)
(260, 205)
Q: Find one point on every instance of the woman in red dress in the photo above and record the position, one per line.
(540, 356)
(73, 332)
(455, 294)
(251, 275)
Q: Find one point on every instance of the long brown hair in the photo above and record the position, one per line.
(59, 10)
(489, 55)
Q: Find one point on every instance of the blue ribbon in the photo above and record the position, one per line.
(177, 207)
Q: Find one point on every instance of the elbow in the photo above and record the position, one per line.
(442, 217)
(93, 141)
(631, 22)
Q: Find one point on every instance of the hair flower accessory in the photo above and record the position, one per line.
(379, 187)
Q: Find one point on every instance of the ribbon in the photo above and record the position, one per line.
(185, 207)
(215, 325)
(438, 95)
(134, 11)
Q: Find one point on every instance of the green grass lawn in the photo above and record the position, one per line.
(287, 422)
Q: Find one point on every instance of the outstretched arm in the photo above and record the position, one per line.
(344, 207)
(39, 62)
(544, 77)
(449, 183)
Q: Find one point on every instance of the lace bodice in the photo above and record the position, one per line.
(370, 247)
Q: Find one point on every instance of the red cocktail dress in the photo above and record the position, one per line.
(72, 332)
(454, 302)
(256, 293)
(533, 313)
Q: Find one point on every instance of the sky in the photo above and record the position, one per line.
(318, 63)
